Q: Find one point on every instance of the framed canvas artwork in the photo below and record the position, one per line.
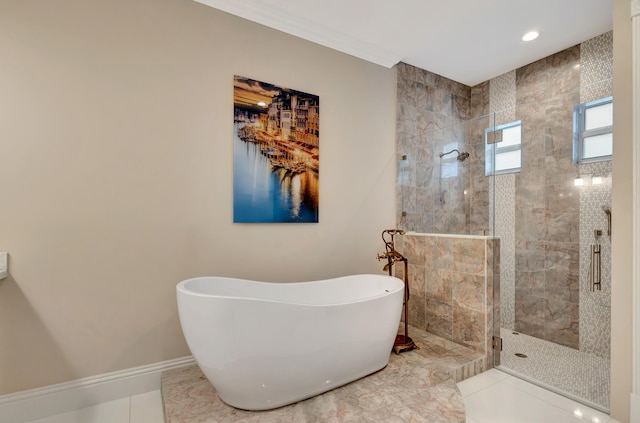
(276, 153)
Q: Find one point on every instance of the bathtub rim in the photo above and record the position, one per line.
(182, 289)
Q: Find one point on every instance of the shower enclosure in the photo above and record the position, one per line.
(554, 317)
(538, 178)
(553, 219)
(441, 176)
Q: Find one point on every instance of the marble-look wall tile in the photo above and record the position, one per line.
(531, 327)
(562, 271)
(469, 292)
(530, 255)
(480, 99)
(452, 287)
(529, 308)
(530, 283)
(546, 207)
(531, 82)
(439, 284)
(468, 328)
(417, 311)
(416, 279)
(561, 323)
(442, 253)
(439, 318)
(562, 227)
(414, 249)
(564, 75)
(430, 119)
(469, 255)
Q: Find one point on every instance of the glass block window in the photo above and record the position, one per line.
(503, 148)
(593, 131)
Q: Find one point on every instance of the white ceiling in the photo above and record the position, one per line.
(469, 41)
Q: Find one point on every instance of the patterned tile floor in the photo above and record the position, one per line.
(416, 386)
(580, 376)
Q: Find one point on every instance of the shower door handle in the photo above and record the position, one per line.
(596, 268)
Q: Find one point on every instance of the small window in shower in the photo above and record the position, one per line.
(593, 131)
(448, 163)
(503, 148)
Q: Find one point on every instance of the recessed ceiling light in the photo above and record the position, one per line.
(262, 103)
(529, 36)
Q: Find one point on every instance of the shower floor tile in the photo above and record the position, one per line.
(578, 375)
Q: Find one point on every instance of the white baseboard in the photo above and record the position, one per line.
(54, 399)
(634, 411)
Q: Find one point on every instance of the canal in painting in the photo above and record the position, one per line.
(264, 193)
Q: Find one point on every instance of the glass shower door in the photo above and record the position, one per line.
(552, 217)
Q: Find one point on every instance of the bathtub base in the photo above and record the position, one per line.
(404, 344)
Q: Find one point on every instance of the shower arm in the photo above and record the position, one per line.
(449, 152)
(462, 155)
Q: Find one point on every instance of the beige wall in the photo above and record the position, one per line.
(116, 149)
(622, 212)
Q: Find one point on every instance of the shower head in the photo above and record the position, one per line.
(607, 210)
(463, 156)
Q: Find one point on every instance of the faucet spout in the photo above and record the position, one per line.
(391, 254)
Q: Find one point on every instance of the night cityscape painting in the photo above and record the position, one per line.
(275, 153)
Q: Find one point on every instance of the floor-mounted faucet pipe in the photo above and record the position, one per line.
(403, 342)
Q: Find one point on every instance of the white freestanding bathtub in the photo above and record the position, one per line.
(263, 345)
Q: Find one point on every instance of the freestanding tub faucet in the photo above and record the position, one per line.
(403, 342)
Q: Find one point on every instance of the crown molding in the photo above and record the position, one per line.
(277, 18)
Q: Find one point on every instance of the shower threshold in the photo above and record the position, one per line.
(574, 374)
